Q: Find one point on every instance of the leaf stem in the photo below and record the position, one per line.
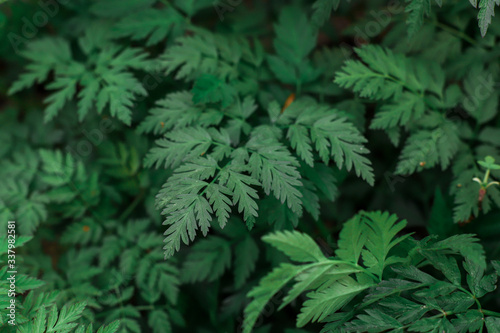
(144, 307)
(491, 313)
(216, 177)
(486, 176)
(479, 307)
(455, 32)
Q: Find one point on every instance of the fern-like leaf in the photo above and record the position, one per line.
(296, 245)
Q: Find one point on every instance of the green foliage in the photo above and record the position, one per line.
(197, 166)
(415, 98)
(109, 83)
(344, 292)
(486, 11)
(216, 169)
(417, 10)
(322, 10)
(295, 39)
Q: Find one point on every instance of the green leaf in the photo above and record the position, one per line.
(486, 12)
(490, 135)
(105, 78)
(46, 54)
(417, 9)
(246, 254)
(374, 321)
(300, 141)
(266, 289)
(38, 325)
(296, 245)
(489, 163)
(470, 321)
(276, 169)
(381, 79)
(191, 7)
(407, 107)
(187, 54)
(206, 53)
(352, 239)
(479, 283)
(159, 321)
(207, 260)
(447, 265)
(317, 277)
(244, 194)
(66, 88)
(111, 328)
(493, 324)
(184, 215)
(441, 218)
(87, 95)
(466, 199)
(64, 322)
(295, 36)
(322, 10)
(387, 288)
(180, 145)
(151, 23)
(210, 89)
(431, 324)
(219, 197)
(119, 94)
(177, 111)
(466, 245)
(323, 178)
(438, 146)
(274, 213)
(331, 134)
(189, 201)
(26, 282)
(323, 303)
(381, 238)
(483, 107)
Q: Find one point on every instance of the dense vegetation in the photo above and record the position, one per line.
(249, 166)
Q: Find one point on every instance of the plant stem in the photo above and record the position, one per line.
(144, 307)
(298, 87)
(479, 307)
(491, 313)
(486, 176)
(455, 32)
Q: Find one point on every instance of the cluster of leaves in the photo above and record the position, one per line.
(416, 100)
(234, 123)
(216, 169)
(379, 282)
(222, 156)
(38, 309)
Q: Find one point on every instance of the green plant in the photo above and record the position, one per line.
(488, 164)
(382, 282)
(271, 139)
